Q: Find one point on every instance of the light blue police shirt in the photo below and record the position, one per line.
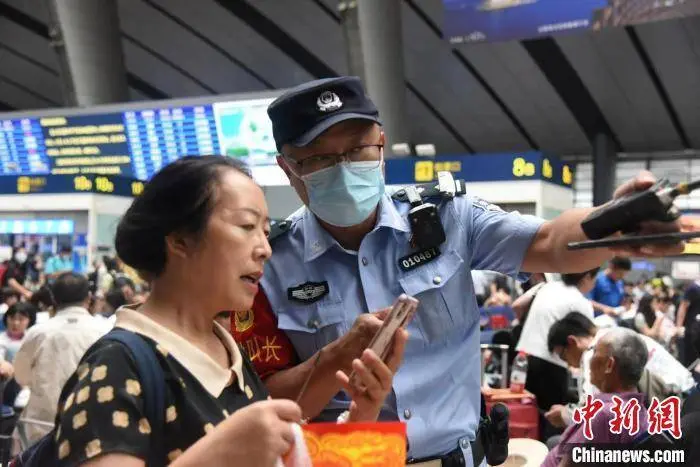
(437, 389)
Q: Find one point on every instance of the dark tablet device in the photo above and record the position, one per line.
(635, 240)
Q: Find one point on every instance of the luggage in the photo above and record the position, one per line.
(524, 420)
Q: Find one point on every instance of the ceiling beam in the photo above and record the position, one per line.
(478, 77)
(184, 25)
(552, 61)
(5, 107)
(40, 29)
(448, 126)
(269, 30)
(137, 43)
(27, 58)
(328, 10)
(658, 85)
(31, 92)
(279, 38)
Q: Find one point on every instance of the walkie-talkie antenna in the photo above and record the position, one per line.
(684, 188)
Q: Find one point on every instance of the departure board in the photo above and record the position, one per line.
(137, 142)
(22, 147)
(158, 137)
(93, 144)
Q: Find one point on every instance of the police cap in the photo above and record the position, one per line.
(301, 114)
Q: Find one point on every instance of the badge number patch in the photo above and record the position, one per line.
(308, 292)
(418, 258)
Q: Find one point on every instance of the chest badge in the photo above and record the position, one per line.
(243, 320)
(308, 292)
(419, 258)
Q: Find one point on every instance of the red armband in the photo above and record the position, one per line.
(266, 345)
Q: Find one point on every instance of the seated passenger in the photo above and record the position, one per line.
(8, 297)
(198, 233)
(573, 339)
(499, 293)
(616, 367)
(44, 301)
(652, 320)
(18, 318)
(51, 350)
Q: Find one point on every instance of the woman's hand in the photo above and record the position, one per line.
(374, 380)
(257, 435)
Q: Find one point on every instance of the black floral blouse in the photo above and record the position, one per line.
(103, 411)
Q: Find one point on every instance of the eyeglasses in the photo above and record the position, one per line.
(369, 153)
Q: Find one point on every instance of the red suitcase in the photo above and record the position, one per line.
(524, 421)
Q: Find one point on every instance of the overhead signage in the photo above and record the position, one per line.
(481, 168)
(37, 226)
(135, 143)
(60, 184)
(471, 21)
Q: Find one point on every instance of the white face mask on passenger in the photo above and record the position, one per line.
(21, 257)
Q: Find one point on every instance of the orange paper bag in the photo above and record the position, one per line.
(381, 444)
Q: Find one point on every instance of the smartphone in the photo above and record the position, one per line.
(401, 313)
(635, 240)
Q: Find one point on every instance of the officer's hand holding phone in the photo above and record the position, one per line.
(351, 346)
(372, 375)
(372, 379)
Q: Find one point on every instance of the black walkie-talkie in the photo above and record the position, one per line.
(625, 214)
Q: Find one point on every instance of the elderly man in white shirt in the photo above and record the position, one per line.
(52, 350)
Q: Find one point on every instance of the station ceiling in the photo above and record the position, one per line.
(639, 84)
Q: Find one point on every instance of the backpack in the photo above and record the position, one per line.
(43, 452)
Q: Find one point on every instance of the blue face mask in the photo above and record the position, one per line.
(345, 194)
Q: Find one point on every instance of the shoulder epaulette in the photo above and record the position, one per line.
(279, 229)
(445, 188)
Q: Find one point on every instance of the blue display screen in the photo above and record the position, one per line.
(468, 21)
(37, 226)
(158, 137)
(136, 143)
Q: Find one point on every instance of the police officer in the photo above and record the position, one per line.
(351, 251)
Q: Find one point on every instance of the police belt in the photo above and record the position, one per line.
(454, 458)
